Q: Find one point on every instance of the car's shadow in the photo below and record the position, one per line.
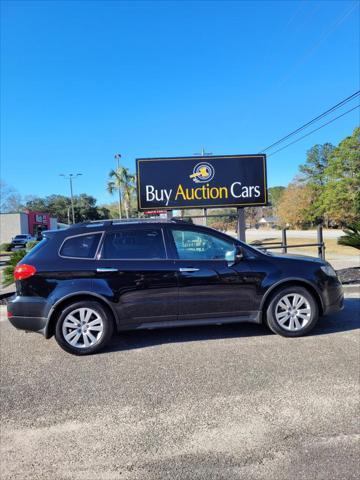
(347, 319)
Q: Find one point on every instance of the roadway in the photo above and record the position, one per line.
(220, 402)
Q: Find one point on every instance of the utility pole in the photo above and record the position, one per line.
(117, 157)
(203, 154)
(70, 177)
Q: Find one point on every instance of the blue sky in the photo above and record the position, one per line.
(84, 80)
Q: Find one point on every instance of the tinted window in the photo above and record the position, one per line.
(83, 246)
(192, 245)
(134, 244)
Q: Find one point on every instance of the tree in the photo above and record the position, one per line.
(121, 179)
(112, 208)
(58, 206)
(312, 173)
(85, 209)
(275, 194)
(294, 208)
(340, 197)
(253, 215)
(10, 199)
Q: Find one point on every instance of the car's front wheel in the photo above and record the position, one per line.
(292, 312)
(84, 327)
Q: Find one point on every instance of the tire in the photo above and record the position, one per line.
(88, 337)
(285, 319)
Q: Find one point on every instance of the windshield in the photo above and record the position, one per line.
(260, 250)
(21, 236)
(254, 249)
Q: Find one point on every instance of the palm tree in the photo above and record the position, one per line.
(352, 236)
(123, 181)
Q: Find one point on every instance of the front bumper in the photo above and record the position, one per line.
(334, 299)
(28, 313)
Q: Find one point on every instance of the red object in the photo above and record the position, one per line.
(154, 212)
(9, 314)
(38, 222)
(24, 271)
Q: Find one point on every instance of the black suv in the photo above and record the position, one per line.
(83, 282)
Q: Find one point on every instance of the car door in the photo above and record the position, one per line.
(134, 269)
(211, 285)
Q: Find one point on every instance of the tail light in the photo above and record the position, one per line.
(24, 271)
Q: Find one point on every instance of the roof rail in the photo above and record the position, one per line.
(119, 221)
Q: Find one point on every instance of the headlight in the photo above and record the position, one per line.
(328, 270)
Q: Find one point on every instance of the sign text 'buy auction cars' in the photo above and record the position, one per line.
(198, 182)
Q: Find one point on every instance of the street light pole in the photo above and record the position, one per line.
(70, 178)
(117, 157)
(72, 199)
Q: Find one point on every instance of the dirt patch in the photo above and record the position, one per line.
(349, 275)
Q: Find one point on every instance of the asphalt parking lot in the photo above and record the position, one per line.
(220, 402)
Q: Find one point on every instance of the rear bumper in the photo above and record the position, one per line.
(28, 313)
(29, 324)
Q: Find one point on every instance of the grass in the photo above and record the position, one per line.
(331, 247)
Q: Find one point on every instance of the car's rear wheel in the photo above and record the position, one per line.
(292, 312)
(84, 327)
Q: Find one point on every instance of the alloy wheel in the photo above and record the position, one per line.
(82, 328)
(293, 312)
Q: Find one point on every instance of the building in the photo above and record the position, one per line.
(34, 223)
(268, 222)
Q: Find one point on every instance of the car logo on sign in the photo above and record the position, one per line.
(203, 172)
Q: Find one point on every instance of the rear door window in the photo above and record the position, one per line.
(81, 246)
(134, 244)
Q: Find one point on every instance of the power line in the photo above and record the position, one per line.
(315, 130)
(339, 20)
(327, 112)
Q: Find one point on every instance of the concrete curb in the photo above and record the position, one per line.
(352, 288)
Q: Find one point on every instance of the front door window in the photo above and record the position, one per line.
(193, 245)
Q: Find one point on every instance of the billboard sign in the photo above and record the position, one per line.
(201, 182)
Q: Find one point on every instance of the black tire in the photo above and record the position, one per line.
(273, 308)
(102, 338)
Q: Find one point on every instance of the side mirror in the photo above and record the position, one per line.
(238, 254)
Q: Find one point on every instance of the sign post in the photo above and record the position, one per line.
(241, 224)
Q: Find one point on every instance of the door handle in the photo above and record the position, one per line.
(188, 269)
(106, 270)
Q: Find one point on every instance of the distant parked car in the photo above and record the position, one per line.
(20, 241)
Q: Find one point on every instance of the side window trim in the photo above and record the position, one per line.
(99, 255)
(101, 233)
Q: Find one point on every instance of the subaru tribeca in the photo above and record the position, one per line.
(82, 283)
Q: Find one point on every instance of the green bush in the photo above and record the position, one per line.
(15, 258)
(352, 236)
(5, 247)
(17, 255)
(31, 244)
